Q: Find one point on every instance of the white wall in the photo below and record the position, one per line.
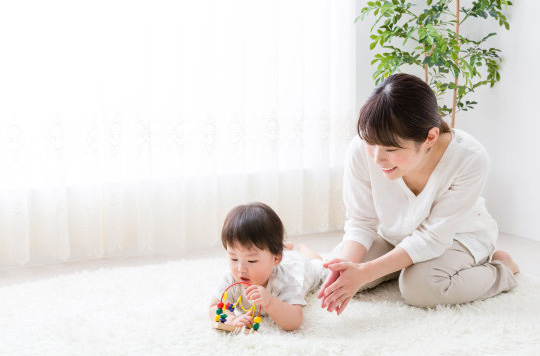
(506, 119)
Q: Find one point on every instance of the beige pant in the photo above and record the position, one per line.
(451, 278)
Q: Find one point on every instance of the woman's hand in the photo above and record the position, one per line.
(259, 295)
(331, 278)
(350, 278)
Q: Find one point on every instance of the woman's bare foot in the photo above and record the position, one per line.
(507, 260)
(289, 245)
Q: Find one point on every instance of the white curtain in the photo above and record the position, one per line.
(134, 126)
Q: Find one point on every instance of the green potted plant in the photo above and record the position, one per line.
(430, 37)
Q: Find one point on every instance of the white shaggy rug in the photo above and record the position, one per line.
(162, 310)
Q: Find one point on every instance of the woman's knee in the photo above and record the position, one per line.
(421, 286)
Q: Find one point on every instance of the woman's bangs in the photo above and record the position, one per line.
(378, 127)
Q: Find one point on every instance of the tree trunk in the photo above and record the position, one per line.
(454, 101)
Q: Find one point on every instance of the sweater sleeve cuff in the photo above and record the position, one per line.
(363, 240)
(413, 253)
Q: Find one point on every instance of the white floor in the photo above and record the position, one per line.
(156, 306)
(524, 251)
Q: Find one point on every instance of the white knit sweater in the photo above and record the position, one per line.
(449, 207)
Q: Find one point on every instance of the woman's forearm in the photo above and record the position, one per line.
(393, 261)
(353, 251)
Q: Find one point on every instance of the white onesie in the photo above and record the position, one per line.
(290, 281)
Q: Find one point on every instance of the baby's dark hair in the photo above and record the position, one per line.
(253, 224)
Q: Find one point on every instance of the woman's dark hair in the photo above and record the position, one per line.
(402, 107)
(254, 224)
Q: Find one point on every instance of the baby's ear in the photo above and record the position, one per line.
(277, 259)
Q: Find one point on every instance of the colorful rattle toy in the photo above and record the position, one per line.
(221, 316)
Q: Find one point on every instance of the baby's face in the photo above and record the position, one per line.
(253, 265)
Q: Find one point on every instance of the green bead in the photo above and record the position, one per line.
(219, 311)
(224, 316)
(256, 326)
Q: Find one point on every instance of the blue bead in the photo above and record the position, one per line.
(223, 320)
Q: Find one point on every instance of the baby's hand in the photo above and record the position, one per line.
(243, 320)
(259, 295)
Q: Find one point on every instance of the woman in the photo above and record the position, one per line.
(412, 193)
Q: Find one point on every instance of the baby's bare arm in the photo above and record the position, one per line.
(288, 316)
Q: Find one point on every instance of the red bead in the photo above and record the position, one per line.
(220, 305)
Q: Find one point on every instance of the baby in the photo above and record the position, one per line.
(280, 278)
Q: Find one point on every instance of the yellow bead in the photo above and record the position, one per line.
(216, 317)
(257, 319)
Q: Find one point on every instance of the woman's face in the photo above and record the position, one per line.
(396, 162)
